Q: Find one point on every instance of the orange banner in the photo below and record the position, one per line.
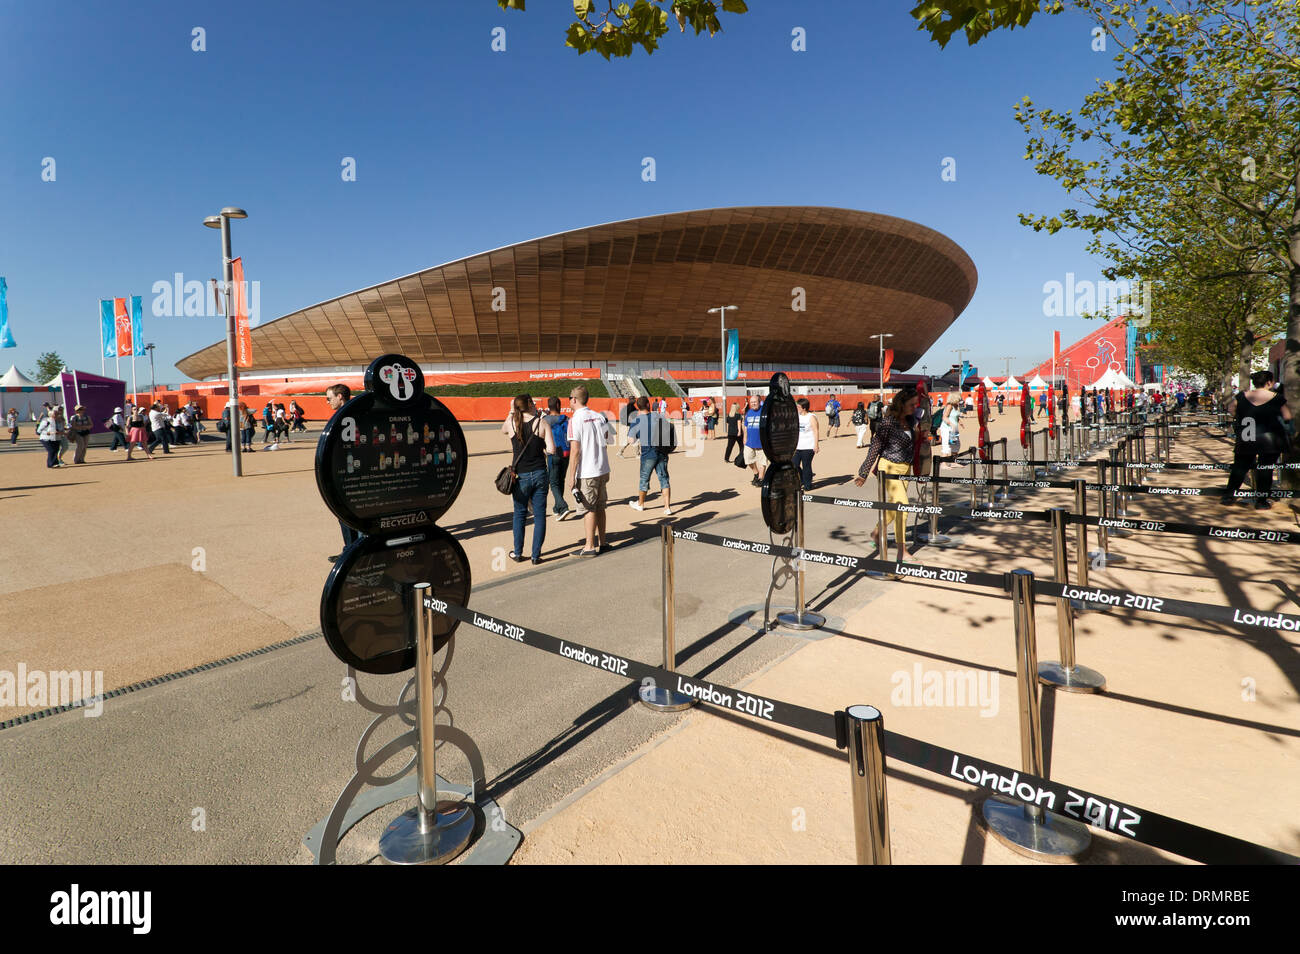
(122, 320)
(243, 334)
(889, 362)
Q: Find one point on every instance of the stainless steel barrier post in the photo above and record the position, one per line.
(1005, 494)
(800, 619)
(883, 524)
(934, 537)
(1119, 473)
(662, 698)
(1066, 674)
(431, 832)
(867, 779)
(1025, 826)
(1081, 531)
(974, 488)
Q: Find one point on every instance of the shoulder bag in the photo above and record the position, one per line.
(506, 477)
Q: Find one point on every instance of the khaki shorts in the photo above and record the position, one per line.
(594, 492)
(755, 455)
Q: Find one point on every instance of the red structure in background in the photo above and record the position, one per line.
(1090, 356)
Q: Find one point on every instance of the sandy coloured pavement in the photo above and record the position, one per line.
(146, 568)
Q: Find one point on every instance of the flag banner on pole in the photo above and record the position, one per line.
(6, 336)
(889, 361)
(732, 371)
(122, 322)
(965, 373)
(137, 326)
(243, 335)
(107, 328)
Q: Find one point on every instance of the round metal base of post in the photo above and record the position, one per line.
(664, 700)
(1101, 560)
(1078, 679)
(807, 620)
(1051, 837)
(405, 843)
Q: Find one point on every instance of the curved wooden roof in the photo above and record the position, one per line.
(640, 289)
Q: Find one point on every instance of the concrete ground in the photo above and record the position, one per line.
(149, 568)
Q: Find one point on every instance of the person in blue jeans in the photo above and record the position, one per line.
(530, 442)
(655, 432)
(557, 464)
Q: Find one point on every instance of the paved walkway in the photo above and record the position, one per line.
(263, 745)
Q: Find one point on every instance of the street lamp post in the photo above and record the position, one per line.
(153, 378)
(222, 221)
(961, 379)
(721, 312)
(882, 338)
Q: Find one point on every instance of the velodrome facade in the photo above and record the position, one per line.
(812, 284)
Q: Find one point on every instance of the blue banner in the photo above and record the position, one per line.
(137, 326)
(6, 336)
(965, 373)
(107, 329)
(731, 368)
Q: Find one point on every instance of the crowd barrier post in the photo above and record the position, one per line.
(934, 536)
(1066, 674)
(663, 698)
(801, 619)
(1081, 531)
(867, 779)
(883, 523)
(425, 834)
(988, 472)
(974, 488)
(1116, 498)
(1024, 826)
(1004, 492)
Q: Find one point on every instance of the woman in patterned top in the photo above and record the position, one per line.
(892, 451)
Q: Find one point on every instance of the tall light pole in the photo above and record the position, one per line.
(153, 378)
(882, 338)
(721, 312)
(1008, 359)
(222, 221)
(926, 376)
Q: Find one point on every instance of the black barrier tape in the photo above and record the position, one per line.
(1192, 529)
(1071, 462)
(1123, 599)
(973, 513)
(1114, 488)
(1146, 827)
(724, 697)
(917, 571)
(1138, 824)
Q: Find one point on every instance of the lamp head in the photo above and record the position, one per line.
(213, 221)
(231, 212)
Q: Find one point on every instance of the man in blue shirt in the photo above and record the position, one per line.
(657, 437)
(755, 459)
(833, 416)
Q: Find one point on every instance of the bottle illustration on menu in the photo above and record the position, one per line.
(352, 464)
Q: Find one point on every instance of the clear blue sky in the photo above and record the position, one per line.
(460, 149)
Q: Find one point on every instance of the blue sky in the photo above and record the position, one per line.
(460, 149)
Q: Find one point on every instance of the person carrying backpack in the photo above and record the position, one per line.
(658, 440)
(860, 422)
(557, 464)
(874, 411)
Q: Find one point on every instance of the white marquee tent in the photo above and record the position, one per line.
(1114, 380)
(1038, 383)
(1011, 383)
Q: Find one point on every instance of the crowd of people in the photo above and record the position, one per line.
(132, 426)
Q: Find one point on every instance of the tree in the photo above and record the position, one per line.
(47, 366)
(977, 18)
(618, 29)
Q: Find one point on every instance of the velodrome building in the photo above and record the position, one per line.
(812, 284)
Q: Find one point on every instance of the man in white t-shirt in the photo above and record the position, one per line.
(158, 421)
(589, 435)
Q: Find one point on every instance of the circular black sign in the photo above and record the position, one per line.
(781, 487)
(364, 609)
(393, 458)
(778, 425)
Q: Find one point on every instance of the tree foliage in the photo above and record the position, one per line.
(47, 366)
(617, 29)
(977, 18)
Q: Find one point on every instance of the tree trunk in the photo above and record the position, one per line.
(1247, 354)
(1291, 352)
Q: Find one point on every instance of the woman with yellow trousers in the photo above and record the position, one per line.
(892, 452)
